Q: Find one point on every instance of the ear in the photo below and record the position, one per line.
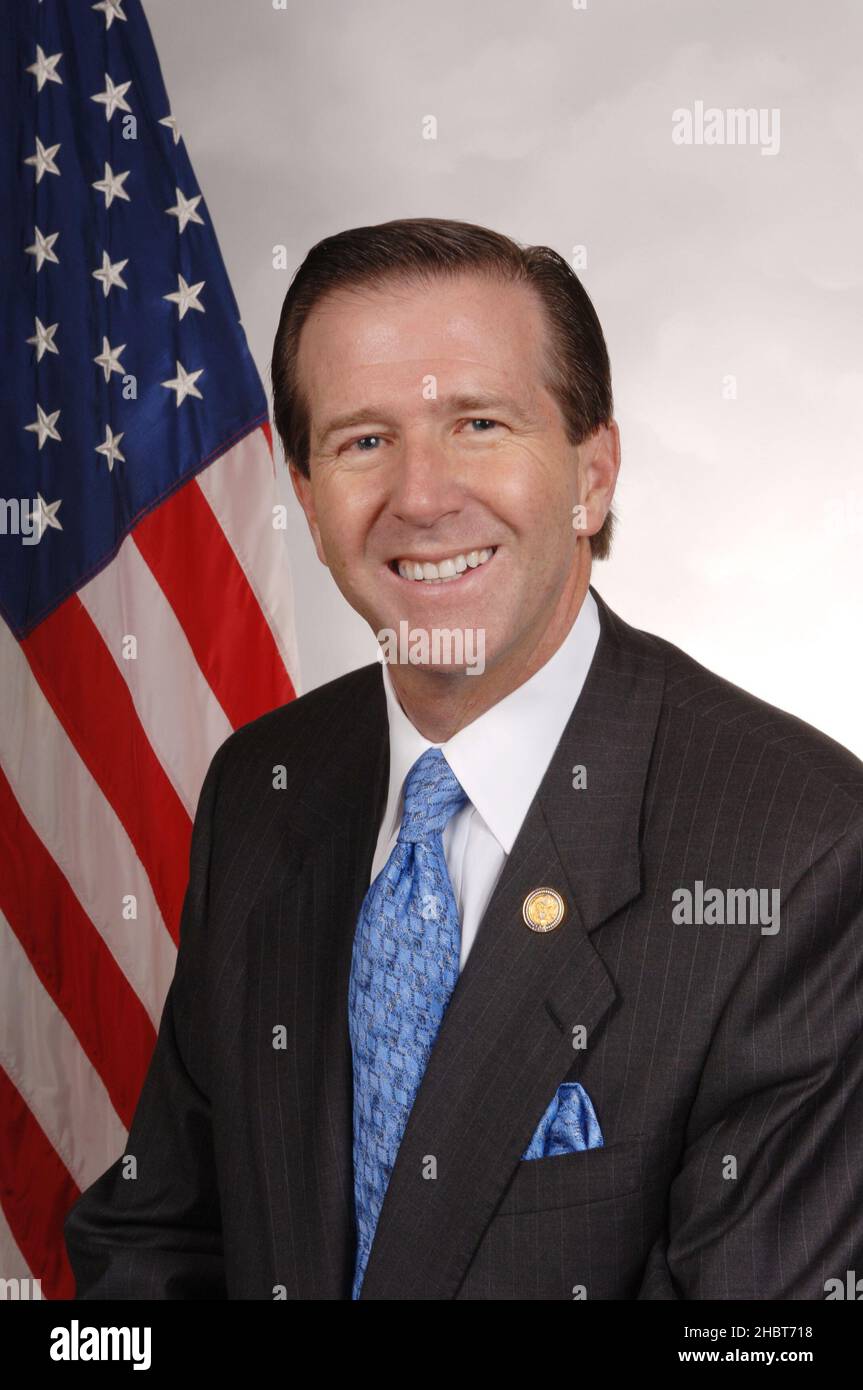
(305, 496)
(598, 467)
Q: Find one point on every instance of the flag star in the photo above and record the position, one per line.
(45, 514)
(43, 159)
(184, 209)
(43, 340)
(184, 384)
(171, 122)
(45, 69)
(110, 448)
(44, 425)
(43, 248)
(109, 358)
(113, 97)
(112, 186)
(110, 274)
(113, 10)
(186, 296)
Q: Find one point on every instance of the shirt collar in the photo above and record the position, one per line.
(501, 757)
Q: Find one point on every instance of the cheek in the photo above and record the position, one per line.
(540, 523)
(339, 503)
(530, 484)
(534, 496)
(344, 512)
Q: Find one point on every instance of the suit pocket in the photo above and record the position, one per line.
(567, 1180)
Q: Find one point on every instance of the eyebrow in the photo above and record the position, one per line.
(468, 403)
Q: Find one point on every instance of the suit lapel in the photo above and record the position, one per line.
(506, 1042)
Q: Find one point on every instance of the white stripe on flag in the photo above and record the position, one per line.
(51, 1070)
(12, 1262)
(241, 490)
(80, 830)
(164, 680)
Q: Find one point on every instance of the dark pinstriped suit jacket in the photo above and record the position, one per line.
(707, 1046)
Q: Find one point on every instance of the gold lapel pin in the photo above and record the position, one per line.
(543, 910)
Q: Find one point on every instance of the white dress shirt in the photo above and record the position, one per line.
(500, 760)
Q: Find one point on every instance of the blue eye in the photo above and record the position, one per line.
(363, 440)
(481, 421)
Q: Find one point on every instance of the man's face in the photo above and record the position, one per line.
(435, 441)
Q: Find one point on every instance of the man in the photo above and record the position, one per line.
(523, 970)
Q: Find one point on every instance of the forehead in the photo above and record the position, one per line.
(389, 337)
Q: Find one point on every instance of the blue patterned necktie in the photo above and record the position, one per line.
(404, 968)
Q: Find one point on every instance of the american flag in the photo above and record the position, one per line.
(144, 585)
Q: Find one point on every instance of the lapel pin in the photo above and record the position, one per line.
(543, 909)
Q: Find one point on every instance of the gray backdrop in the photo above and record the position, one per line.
(728, 280)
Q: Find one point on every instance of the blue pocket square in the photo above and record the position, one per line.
(568, 1124)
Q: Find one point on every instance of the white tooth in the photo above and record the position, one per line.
(418, 571)
(483, 556)
(460, 564)
(473, 559)
(403, 570)
(429, 571)
(446, 569)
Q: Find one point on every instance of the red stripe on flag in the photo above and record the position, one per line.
(72, 960)
(94, 705)
(203, 581)
(36, 1191)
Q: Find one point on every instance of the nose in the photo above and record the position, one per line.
(425, 485)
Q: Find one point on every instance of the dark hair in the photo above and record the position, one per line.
(420, 248)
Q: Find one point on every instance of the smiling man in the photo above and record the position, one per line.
(446, 1021)
(445, 478)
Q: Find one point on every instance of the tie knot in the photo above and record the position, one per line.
(433, 793)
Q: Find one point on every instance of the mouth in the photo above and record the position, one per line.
(456, 568)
